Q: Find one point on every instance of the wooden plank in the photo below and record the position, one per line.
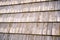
(40, 25)
(52, 16)
(31, 17)
(3, 37)
(14, 28)
(46, 16)
(58, 15)
(44, 6)
(31, 28)
(49, 37)
(55, 29)
(22, 28)
(40, 18)
(4, 27)
(45, 26)
(27, 17)
(21, 37)
(42, 37)
(26, 37)
(57, 6)
(14, 37)
(28, 28)
(38, 37)
(31, 37)
(49, 30)
(9, 2)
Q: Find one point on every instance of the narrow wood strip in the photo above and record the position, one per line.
(15, 2)
(31, 7)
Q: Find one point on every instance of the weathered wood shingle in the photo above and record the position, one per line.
(29, 20)
(10, 2)
(31, 28)
(44, 6)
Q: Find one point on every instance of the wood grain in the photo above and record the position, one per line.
(31, 28)
(49, 29)
(55, 29)
(29, 20)
(44, 6)
(26, 37)
(9, 2)
(31, 17)
(45, 27)
(4, 27)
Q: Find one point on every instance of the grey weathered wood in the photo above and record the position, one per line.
(40, 18)
(3, 37)
(9, 2)
(4, 27)
(49, 37)
(19, 17)
(55, 29)
(31, 28)
(14, 28)
(52, 16)
(31, 7)
(58, 15)
(14, 37)
(45, 28)
(46, 16)
(57, 6)
(31, 17)
(27, 37)
(49, 29)
(40, 25)
(43, 37)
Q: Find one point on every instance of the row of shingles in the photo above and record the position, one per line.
(45, 28)
(31, 28)
(13, 37)
(12, 2)
(34, 7)
(27, 37)
(31, 17)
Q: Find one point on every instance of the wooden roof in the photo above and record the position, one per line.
(30, 17)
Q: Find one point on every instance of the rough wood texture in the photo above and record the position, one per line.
(44, 6)
(29, 20)
(9, 2)
(49, 29)
(3, 36)
(55, 28)
(26, 37)
(45, 25)
(31, 17)
(4, 27)
(31, 28)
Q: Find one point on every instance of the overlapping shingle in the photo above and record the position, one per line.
(44, 6)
